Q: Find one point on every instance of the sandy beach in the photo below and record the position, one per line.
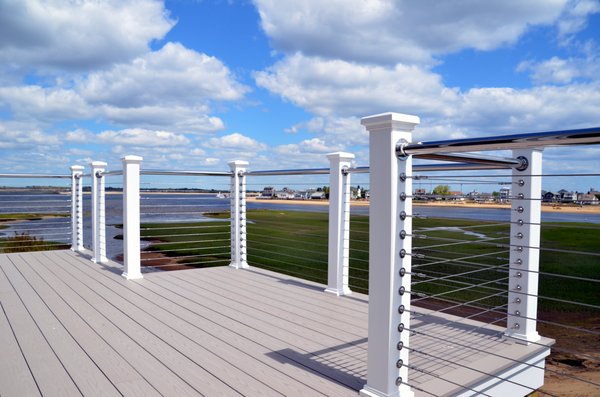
(587, 209)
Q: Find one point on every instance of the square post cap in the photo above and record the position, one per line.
(340, 156)
(237, 164)
(98, 164)
(76, 168)
(132, 159)
(396, 121)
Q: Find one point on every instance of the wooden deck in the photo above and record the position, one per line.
(72, 327)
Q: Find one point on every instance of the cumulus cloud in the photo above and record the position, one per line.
(236, 141)
(562, 71)
(575, 17)
(80, 35)
(44, 104)
(185, 119)
(173, 75)
(326, 87)
(142, 137)
(387, 31)
(13, 137)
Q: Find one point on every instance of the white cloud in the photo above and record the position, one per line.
(236, 141)
(80, 136)
(81, 35)
(171, 76)
(142, 137)
(185, 119)
(13, 137)
(44, 104)
(388, 31)
(575, 17)
(326, 87)
(562, 71)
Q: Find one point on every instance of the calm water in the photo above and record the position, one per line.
(189, 208)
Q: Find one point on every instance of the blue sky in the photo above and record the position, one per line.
(194, 84)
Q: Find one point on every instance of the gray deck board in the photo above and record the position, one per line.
(47, 370)
(123, 375)
(72, 327)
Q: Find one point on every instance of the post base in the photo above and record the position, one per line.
(102, 260)
(524, 339)
(132, 276)
(240, 265)
(367, 391)
(338, 292)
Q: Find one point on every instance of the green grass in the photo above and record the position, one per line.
(23, 242)
(295, 243)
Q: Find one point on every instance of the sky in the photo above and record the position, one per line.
(194, 84)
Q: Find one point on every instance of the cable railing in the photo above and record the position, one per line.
(35, 212)
(478, 293)
(184, 228)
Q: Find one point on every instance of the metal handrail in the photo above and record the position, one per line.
(305, 171)
(186, 173)
(503, 142)
(55, 176)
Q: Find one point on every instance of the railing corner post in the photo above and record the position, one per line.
(98, 212)
(390, 249)
(339, 223)
(131, 217)
(238, 214)
(525, 228)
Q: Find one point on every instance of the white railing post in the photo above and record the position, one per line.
(76, 208)
(339, 223)
(98, 214)
(524, 247)
(238, 215)
(131, 217)
(390, 249)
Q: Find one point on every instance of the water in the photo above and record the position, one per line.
(189, 208)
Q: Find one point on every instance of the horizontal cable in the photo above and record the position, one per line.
(254, 233)
(288, 247)
(287, 255)
(181, 256)
(183, 264)
(208, 226)
(278, 270)
(288, 263)
(163, 243)
(183, 235)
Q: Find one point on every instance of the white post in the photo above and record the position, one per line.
(524, 247)
(238, 215)
(76, 208)
(390, 248)
(339, 223)
(98, 220)
(131, 217)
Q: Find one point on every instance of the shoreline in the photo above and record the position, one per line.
(571, 209)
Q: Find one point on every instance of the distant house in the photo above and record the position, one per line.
(566, 196)
(548, 197)
(301, 195)
(504, 195)
(267, 193)
(588, 198)
(484, 198)
(318, 195)
(420, 192)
